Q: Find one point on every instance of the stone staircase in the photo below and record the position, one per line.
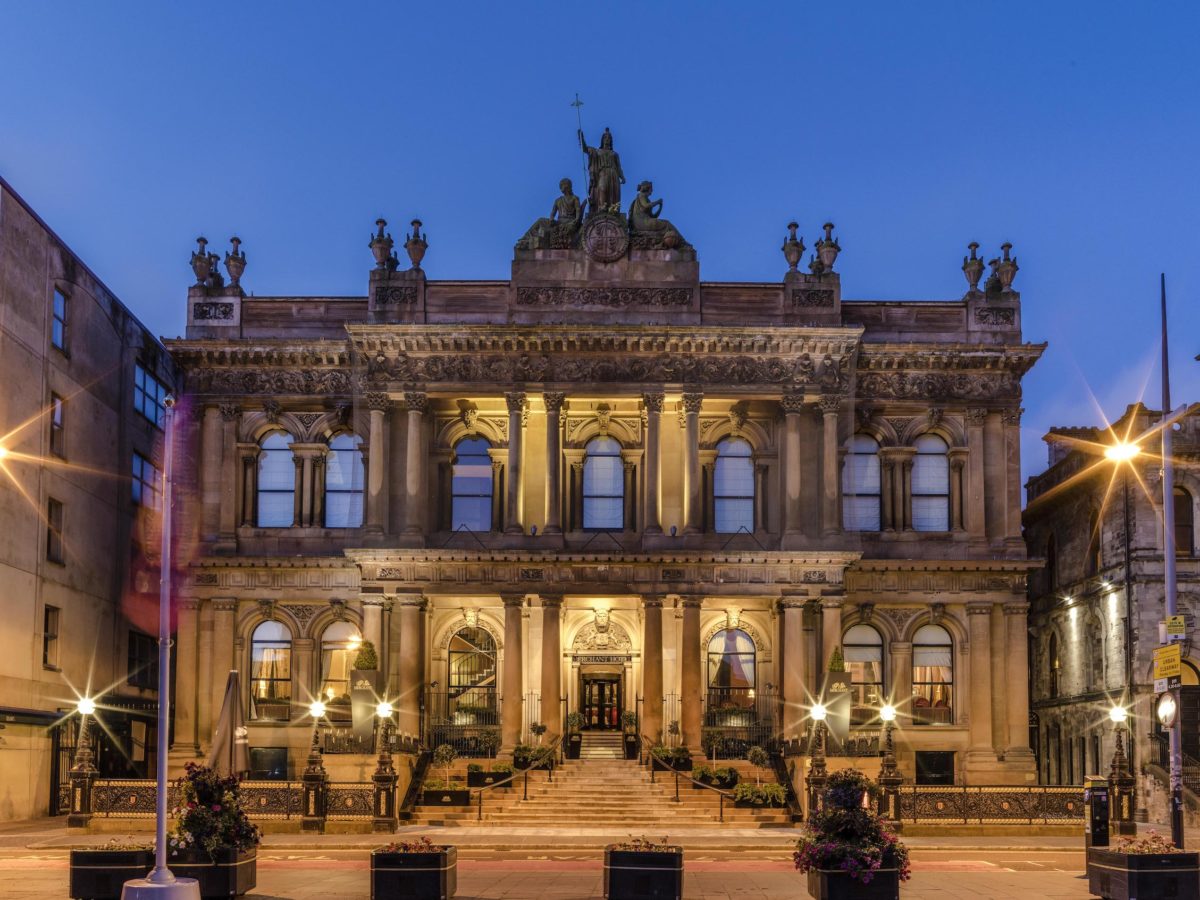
(603, 793)
(602, 745)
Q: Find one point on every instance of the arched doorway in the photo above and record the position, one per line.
(602, 653)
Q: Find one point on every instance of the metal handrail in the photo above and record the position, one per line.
(420, 770)
(547, 754)
(677, 772)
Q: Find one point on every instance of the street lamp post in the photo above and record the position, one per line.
(83, 769)
(890, 778)
(384, 778)
(314, 777)
(817, 775)
(1120, 779)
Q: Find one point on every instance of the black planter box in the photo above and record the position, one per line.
(448, 797)
(523, 764)
(834, 884)
(754, 804)
(574, 745)
(643, 874)
(632, 746)
(484, 779)
(1121, 876)
(682, 765)
(227, 873)
(724, 784)
(99, 874)
(414, 876)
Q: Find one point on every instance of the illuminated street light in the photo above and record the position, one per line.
(888, 713)
(818, 713)
(1118, 715)
(384, 710)
(1123, 451)
(3, 453)
(316, 709)
(85, 706)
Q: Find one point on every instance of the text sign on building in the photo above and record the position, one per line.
(1168, 665)
(592, 658)
(1176, 628)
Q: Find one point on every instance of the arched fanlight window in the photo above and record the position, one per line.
(471, 486)
(603, 485)
(932, 676)
(276, 481)
(731, 669)
(471, 674)
(1054, 661)
(931, 485)
(733, 487)
(271, 672)
(1184, 523)
(862, 648)
(861, 485)
(344, 483)
(340, 644)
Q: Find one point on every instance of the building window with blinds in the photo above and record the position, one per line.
(861, 485)
(271, 673)
(276, 482)
(344, 483)
(339, 648)
(731, 664)
(733, 487)
(862, 649)
(603, 485)
(932, 676)
(471, 486)
(931, 485)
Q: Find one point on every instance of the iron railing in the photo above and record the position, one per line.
(989, 805)
(129, 798)
(469, 722)
(736, 719)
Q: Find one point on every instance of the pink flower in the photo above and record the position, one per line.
(216, 807)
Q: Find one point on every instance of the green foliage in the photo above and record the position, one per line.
(210, 815)
(367, 660)
(537, 729)
(472, 768)
(444, 784)
(444, 755)
(629, 720)
(759, 759)
(420, 845)
(836, 662)
(761, 794)
(709, 774)
(672, 756)
(502, 769)
(574, 721)
(645, 845)
(490, 740)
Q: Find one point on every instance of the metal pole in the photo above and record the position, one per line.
(161, 874)
(1130, 688)
(1169, 584)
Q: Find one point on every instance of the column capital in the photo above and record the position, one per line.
(653, 401)
(692, 403)
(1011, 416)
(377, 401)
(836, 602)
(416, 401)
(224, 604)
(980, 608)
(691, 602)
(513, 600)
(1017, 608)
(792, 404)
(554, 400)
(793, 601)
(652, 602)
(901, 647)
(976, 415)
(830, 404)
(229, 411)
(515, 401)
(417, 600)
(373, 600)
(551, 601)
(188, 604)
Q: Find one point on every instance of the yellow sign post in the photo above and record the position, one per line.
(1168, 662)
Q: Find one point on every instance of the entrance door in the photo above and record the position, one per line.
(602, 702)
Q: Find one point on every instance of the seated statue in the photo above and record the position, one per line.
(649, 230)
(561, 230)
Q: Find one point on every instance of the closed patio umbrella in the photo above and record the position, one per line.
(230, 748)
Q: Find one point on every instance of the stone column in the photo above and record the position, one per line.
(497, 500)
(793, 407)
(795, 699)
(204, 674)
(303, 689)
(652, 668)
(693, 484)
(552, 664)
(376, 493)
(246, 483)
(372, 609)
(411, 612)
(1011, 419)
(760, 498)
(210, 472)
(187, 636)
(958, 459)
(224, 615)
(228, 481)
(976, 513)
(979, 621)
(830, 470)
(906, 467)
(887, 505)
(629, 516)
(901, 672)
(516, 474)
(415, 495)
(654, 406)
(510, 711)
(831, 629)
(1016, 661)
(318, 499)
(553, 401)
(691, 685)
(297, 487)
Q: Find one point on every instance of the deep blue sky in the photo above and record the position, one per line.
(1071, 129)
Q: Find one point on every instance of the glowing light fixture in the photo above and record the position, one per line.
(3, 453)
(818, 713)
(1122, 451)
(85, 706)
(384, 710)
(888, 713)
(1118, 715)
(316, 709)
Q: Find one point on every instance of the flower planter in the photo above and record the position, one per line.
(484, 779)
(1123, 876)
(449, 797)
(99, 874)
(632, 746)
(522, 764)
(681, 765)
(834, 884)
(574, 746)
(643, 874)
(757, 804)
(723, 784)
(227, 873)
(414, 876)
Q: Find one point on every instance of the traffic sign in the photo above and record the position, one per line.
(1168, 664)
(1176, 628)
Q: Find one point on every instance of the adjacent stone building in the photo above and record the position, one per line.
(1097, 526)
(80, 410)
(605, 486)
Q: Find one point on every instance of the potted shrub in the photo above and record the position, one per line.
(677, 758)
(574, 737)
(848, 850)
(1148, 866)
(758, 758)
(629, 724)
(759, 796)
(524, 755)
(723, 777)
(98, 873)
(489, 740)
(364, 691)
(444, 791)
(640, 869)
(414, 870)
(214, 841)
(478, 777)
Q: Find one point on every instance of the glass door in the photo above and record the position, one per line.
(602, 703)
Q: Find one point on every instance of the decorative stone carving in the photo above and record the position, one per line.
(937, 612)
(229, 411)
(209, 579)
(271, 411)
(377, 400)
(976, 415)
(648, 230)
(830, 403)
(235, 262)
(339, 609)
(1011, 416)
(692, 402)
(1006, 268)
(515, 400)
(900, 616)
(866, 611)
(528, 573)
(738, 414)
(938, 385)
(266, 608)
(201, 261)
(381, 247)
(301, 612)
(609, 297)
(995, 315)
(395, 294)
(469, 416)
(416, 400)
(416, 245)
(972, 268)
(827, 252)
(603, 416)
(561, 230)
(653, 401)
(815, 576)
(793, 247)
(935, 416)
(342, 413)
(614, 637)
(307, 419)
(605, 175)
(792, 403)
(606, 237)
(212, 311)
(554, 400)
(811, 298)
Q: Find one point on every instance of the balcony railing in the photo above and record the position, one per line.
(468, 721)
(736, 719)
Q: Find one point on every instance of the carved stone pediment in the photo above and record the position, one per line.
(613, 637)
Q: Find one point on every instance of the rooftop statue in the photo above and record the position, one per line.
(650, 230)
(561, 230)
(604, 175)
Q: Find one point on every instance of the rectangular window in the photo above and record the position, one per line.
(147, 482)
(148, 395)
(54, 531)
(58, 443)
(58, 330)
(143, 661)
(50, 637)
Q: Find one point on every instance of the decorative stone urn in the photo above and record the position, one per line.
(793, 247)
(201, 261)
(1006, 268)
(828, 249)
(416, 244)
(972, 268)
(381, 245)
(235, 262)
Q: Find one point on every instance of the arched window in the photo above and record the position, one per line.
(862, 648)
(271, 672)
(603, 485)
(1093, 562)
(731, 662)
(1095, 645)
(339, 648)
(733, 487)
(860, 485)
(1055, 664)
(931, 485)
(1184, 533)
(471, 676)
(276, 482)
(471, 486)
(932, 676)
(344, 483)
(1051, 563)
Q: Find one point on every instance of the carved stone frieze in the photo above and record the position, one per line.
(416, 401)
(611, 636)
(378, 400)
(271, 381)
(395, 295)
(939, 385)
(995, 315)
(301, 612)
(811, 298)
(212, 311)
(610, 297)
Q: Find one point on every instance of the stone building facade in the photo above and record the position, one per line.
(1097, 526)
(604, 485)
(80, 447)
